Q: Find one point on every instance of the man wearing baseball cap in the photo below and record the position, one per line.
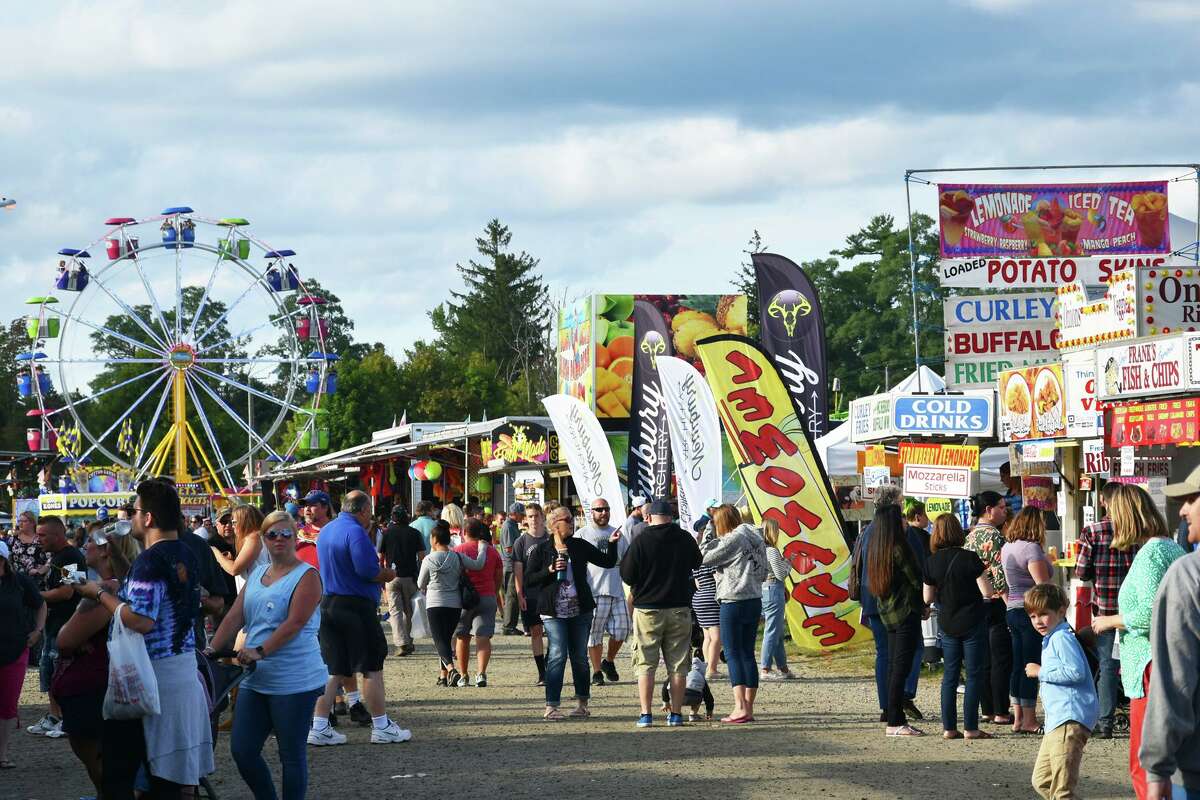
(1170, 735)
(510, 531)
(317, 511)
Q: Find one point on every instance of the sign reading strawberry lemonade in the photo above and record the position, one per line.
(786, 482)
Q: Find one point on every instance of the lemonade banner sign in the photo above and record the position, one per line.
(785, 481)
(1053, 220)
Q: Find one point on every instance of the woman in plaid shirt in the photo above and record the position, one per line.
(1106, 568)
(985, 540)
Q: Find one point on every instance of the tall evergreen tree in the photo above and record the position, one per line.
(503, 313)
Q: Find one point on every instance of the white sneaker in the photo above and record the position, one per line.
(44, 726)
(325, 737)
(391, 734)
(56, 732)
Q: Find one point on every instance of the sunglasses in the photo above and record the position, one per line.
(283, 533)
(604, 510)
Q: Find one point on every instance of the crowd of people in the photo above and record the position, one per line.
(1004, 626)
(295, 596)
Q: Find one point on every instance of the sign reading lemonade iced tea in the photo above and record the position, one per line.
(1032, 403)
(785, 481)
(1053, 220)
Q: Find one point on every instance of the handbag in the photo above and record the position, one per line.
(854, 585)
(466, 589)
(132, 685)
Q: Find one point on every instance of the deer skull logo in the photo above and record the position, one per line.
(788, 306)
(653, 345)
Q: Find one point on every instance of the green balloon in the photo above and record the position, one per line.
(433, 470)
(483, 484)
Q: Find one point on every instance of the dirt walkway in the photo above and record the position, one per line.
(817, 737)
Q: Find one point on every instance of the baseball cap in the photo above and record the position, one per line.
(1188, 486)
(636, 501)
(291, 507)
(660, 508)
(102, 514)
(711, 503)
(516, 508)
(314, 497)
(4, 550)
(225, 517)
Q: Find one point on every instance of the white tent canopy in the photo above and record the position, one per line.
(840, 456)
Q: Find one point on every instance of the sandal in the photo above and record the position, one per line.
(951, 735)
(970, 735)
(1002, 720)
(905, 730)
(553, 715)
(579, 713)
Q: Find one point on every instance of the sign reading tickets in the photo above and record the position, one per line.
(1082, 323)
(785, 481)
(966, 414)
(1162, 422)
(940, 455)
(926, 481)
(1048, 220)
(1143, 367)
(989, 333)
(1032, 405)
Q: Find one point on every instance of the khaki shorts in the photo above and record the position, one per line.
(664, 633)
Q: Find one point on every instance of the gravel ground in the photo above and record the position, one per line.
(816, 737)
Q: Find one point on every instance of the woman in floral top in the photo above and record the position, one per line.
(986, 541)
(1137, 522)
(28, 557)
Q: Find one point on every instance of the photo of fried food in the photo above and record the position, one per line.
(1016, 396)
(1047, 396)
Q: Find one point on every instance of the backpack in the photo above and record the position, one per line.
(470, 595)
(1088, 643)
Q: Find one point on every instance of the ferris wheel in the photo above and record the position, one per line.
(185, 352)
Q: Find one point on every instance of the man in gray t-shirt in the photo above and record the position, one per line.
(609, 593)
(510, 531)
(535, 532)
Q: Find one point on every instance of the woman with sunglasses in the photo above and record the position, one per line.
(278, 607)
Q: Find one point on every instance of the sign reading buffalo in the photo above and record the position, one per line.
(785, 481)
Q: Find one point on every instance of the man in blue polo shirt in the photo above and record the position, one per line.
(352, 639)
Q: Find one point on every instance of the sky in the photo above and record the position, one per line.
(628, 146)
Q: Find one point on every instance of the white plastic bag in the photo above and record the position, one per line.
(132, 687)
(420, 620)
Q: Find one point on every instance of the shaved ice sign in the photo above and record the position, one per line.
(1053, 220)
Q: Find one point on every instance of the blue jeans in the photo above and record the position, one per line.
(881, 664)
(1027, 649)
(255, 717)
(774, 598)
(739, 626)
(1109, 667)
(568, 637)
(974, 647)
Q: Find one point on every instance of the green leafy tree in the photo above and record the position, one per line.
(438, 385)
(367, 399)
(502, 316)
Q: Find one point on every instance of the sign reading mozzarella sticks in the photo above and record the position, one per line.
(785, 481)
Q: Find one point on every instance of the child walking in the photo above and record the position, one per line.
(1068, 694)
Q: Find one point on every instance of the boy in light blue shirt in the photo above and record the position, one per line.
(1068, 694)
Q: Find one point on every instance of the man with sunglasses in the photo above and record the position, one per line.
(612, 614)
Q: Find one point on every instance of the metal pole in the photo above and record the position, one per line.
(1197, 243)
(912, 270)
(1050, 166)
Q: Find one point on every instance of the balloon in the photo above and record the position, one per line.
(487, 510)
(438, 491)
(412, 472)
(483, 484)
(419, 470)
(433, 470)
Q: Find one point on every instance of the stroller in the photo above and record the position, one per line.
(219, 681)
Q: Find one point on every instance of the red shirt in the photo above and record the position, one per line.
(487, 579)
